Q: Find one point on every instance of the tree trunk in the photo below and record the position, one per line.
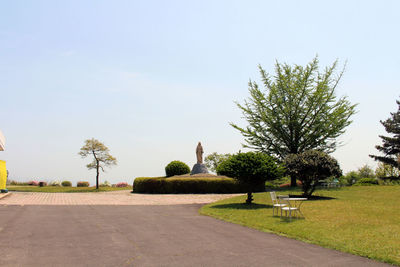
(249, 198)
(97, 175)
(293, 181)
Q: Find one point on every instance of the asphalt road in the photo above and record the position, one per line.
(174, 235)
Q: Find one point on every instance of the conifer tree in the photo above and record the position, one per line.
(101, 156)
(391, 144)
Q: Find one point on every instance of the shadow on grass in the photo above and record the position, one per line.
(337, 188)
(242, 206)
(312, 197)
(316, 197)
(285, 219)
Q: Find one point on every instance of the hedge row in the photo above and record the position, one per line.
(367, 181)
(162, 185)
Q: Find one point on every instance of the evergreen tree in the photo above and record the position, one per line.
(101, 156)
(391, 145)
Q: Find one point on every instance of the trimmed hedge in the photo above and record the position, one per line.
(66, 183)
(176, 167)
(163, 185)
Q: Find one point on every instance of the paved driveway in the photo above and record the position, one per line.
(145, 235)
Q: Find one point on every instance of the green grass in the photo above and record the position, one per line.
(362, 220)
(60, 189)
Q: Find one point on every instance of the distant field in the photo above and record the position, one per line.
(362, 220)
(61, 189)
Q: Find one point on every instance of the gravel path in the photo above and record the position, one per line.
(109, 198)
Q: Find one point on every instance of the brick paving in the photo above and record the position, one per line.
(109, 198)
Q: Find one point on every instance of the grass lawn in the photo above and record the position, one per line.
(362, 220)
(61, 189)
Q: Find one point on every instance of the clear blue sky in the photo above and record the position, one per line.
(152, 78)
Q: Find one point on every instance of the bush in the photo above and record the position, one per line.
(82, 184)
(367, 181)
(42, 183)
(12, 182)
(252, 169)
(310, 167)
(105, 184)
(391, 180)
(66, 183)
(33, 183)
(55, 183)
(176, 167)
(122, 184)
(352, 177)
(205, 185)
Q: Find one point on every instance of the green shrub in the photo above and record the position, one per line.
(82, 184)
(310, 167)
(252, 169)
(367, 181)
(352, 177)
(66, 183)
(391, 180)
(343, 181)
(176, 167)
(162, 185)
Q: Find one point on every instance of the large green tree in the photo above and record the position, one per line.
(298, 110)
(391, 144)
(101, 156)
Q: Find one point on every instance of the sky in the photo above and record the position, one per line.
(150, 79)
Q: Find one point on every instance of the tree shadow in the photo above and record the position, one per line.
(290, 220)
(335, 188)
(314, 197)
(242, 206)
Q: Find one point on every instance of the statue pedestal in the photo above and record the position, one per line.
(199, 168)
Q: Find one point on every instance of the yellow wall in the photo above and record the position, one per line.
(3, 174)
